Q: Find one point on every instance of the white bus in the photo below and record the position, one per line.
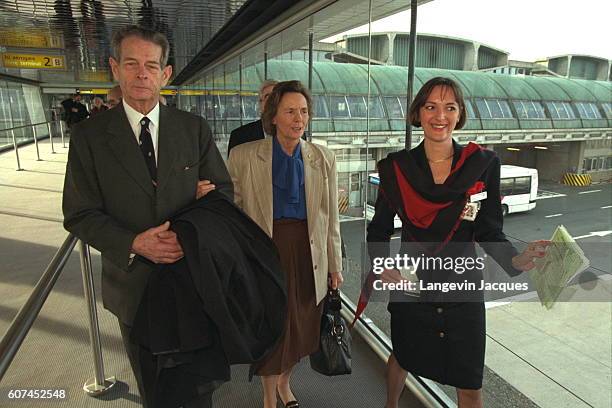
(519, 188)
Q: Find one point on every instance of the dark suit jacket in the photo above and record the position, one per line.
(109, 197)
(246, 133)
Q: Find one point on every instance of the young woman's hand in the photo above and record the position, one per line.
(525, 260)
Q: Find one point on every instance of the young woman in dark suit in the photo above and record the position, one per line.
(444, 194)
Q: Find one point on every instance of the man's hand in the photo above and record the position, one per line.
(158, 244)
(204, 187)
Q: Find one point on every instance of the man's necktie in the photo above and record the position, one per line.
(146, 147)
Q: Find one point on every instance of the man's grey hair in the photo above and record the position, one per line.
(145, 34)
(265, 84)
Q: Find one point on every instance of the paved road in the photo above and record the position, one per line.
(582, 210)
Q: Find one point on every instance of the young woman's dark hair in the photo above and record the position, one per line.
(421, 98)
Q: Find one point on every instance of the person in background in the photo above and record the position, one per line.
(79, 110)
(162, 100)
(448, 197)
(288, 186)
(67, 108)
(98, 106)
(74, 110)
(113, 98)
(254, 130)
(129, 170)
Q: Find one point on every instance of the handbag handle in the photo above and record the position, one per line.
(333, 301)
(333, 304)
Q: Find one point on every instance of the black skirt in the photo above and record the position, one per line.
(444, 342)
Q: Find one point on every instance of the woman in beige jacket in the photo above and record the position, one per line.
(288, 186)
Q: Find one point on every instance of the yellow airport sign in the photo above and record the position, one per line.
(38, 61)
(196, 92)
(191, 92)
(93, 91)
(104, 91)
(21, 38)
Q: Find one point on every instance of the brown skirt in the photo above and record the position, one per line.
(302, 327)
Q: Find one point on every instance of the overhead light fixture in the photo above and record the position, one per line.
(513, 149)
(540, 147)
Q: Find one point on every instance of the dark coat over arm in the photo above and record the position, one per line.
(230, 279)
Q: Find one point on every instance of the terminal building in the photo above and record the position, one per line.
(553, 115)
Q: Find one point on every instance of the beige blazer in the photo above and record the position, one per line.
(250, 166)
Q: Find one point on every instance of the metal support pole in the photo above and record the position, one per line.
(411, 52)
(224, 96)
(62, 133)
(240, 89)
(99, 384)
(265, 65)
(36, 143)
(367, 146)
(310, 62)
(214, 104)
(50, 137)
(16, 150)
(310, 42)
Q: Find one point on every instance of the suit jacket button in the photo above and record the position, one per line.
(315, 267)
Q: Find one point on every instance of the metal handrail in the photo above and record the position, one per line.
(22, 323)
(28, 125)
(34, 130)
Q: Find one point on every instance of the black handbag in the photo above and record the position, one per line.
(334, 354)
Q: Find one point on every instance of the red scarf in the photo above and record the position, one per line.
(419, 210)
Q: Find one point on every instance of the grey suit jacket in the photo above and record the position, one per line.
(250, 166)
(109, 197)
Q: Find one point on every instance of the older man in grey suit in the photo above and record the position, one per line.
(129, 169)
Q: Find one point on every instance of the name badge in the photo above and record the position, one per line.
(470, 211)
(478, 197)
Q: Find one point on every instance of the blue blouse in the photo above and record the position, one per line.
(288, 189)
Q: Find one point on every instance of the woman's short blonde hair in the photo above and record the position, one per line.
(421, 98)
(274, 100)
